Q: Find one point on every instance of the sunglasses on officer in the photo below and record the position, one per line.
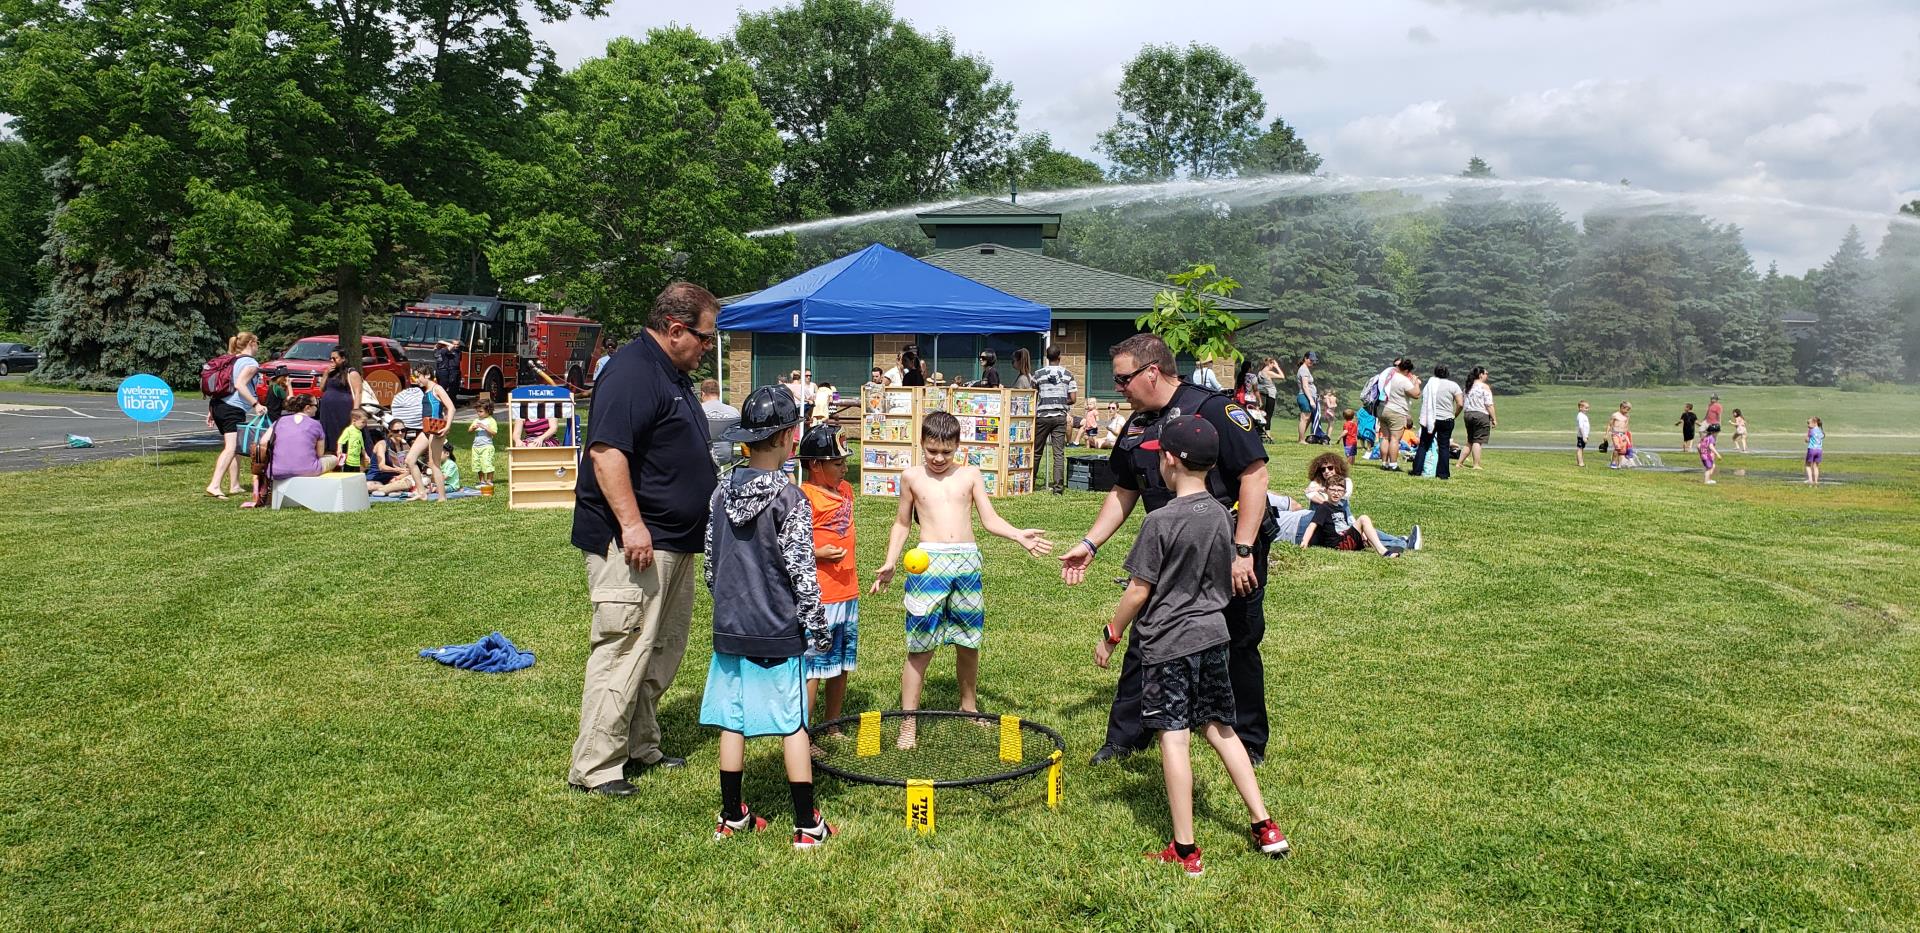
(1123, 379)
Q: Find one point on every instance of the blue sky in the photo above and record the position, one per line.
(1742, 103)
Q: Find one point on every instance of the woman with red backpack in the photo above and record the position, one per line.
(227, 382)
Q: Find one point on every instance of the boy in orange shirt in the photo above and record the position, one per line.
(824, 459)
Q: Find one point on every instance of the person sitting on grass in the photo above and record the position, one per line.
(1180, 571)
(298, 442)
(1334, 525)
(760, 568)
(943, 602)
(824, 458)
(387, 471)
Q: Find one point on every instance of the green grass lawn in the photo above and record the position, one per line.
(1861, 422)
(1597, 700)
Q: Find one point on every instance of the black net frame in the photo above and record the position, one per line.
(1026, 770)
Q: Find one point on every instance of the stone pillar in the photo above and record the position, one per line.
(1073, 355)
(887, 347)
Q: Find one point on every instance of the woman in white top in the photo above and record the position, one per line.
(1111, 435)
(1479, 415)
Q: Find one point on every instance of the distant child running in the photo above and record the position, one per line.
(1688, 421)
(1581, 426)
(1710, 452)
(766, 615)
(1816, 445)
(1350, 434)
(824, 458)
(484, 428)
(1181, 575)
(944, 604)
(1739, 431)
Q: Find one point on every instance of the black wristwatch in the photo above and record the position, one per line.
(1243, 550)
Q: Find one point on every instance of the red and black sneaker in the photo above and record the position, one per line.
(1190, 864)
(812, 837)
(1270, 840)
(749, 822)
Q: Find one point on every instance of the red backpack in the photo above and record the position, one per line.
(216, 376)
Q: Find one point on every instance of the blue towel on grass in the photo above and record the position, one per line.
(494, 654)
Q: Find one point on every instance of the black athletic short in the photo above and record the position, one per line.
(1187, 693)
(226, 417)
(1580, 442)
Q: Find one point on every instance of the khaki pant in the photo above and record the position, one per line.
(640, 623)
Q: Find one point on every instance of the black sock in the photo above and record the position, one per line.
(1256, 826)
(730, 806)
(1185, 849)
(802, 792)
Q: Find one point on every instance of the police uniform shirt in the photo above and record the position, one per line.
(1240, 447)
(646, 408)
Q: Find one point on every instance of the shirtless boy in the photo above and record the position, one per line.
(1617, 440)
(944, 604)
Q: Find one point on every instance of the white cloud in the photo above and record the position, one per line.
(1285, 55)
(1500, 7)
(1421, 35)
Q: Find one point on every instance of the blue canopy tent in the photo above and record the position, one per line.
(881, 291)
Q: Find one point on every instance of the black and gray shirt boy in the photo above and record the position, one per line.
(1185, 550)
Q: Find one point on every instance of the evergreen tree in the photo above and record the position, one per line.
(1477, 168)
(1897, 265)
(1484, 296)
(1619, 312)
(1279, 151)
(1855, 335)
(25, 203)
(1754, 348)
(101, 321)
(1330, 291)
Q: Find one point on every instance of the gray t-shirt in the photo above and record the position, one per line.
(1185, 550)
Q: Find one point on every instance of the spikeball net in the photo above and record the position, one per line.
(926, 750)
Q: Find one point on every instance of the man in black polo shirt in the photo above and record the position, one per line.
(1144, 372)
(640, 515)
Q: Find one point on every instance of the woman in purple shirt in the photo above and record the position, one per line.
(299, 442)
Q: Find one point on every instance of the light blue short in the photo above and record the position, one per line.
(743, 696)
(844, 619)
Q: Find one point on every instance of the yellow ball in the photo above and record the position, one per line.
(916, 561)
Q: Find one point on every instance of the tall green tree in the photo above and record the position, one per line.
(1279, 151)
(1754, 347)
(1477, 168)
(1040, 167)
(1190, 112)
(1330, 284)
(872, 112)
(100, 321)
(1855, 334)
(1484, 291)
(26, 202)
(1897, 265)
(659, 160)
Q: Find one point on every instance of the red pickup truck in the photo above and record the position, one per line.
(383, 364)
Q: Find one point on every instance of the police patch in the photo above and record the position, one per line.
(1240, 417)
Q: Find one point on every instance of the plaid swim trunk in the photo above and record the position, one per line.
(1187, 693)
(844, 620)
(944, 604)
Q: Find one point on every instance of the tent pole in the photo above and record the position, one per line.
(803, 365)
(720, 361)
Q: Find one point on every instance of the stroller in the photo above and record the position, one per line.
(1316, 429)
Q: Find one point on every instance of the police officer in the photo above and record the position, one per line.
(1143, 371)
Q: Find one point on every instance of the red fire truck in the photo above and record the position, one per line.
(501, 343)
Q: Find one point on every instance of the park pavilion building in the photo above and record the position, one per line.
(1001, 245)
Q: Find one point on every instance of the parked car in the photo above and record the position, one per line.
(383, 364)
(18, 358)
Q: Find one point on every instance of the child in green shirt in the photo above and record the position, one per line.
(351, 445)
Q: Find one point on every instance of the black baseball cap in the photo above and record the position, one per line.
(1190, 438)
(768, 411)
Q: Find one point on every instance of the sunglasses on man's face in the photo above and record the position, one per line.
(704, 336)
(1123, 379)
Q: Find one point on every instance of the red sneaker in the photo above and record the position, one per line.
(812, 837)
(1271, 841)
(1191, 864)
(749, 822)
